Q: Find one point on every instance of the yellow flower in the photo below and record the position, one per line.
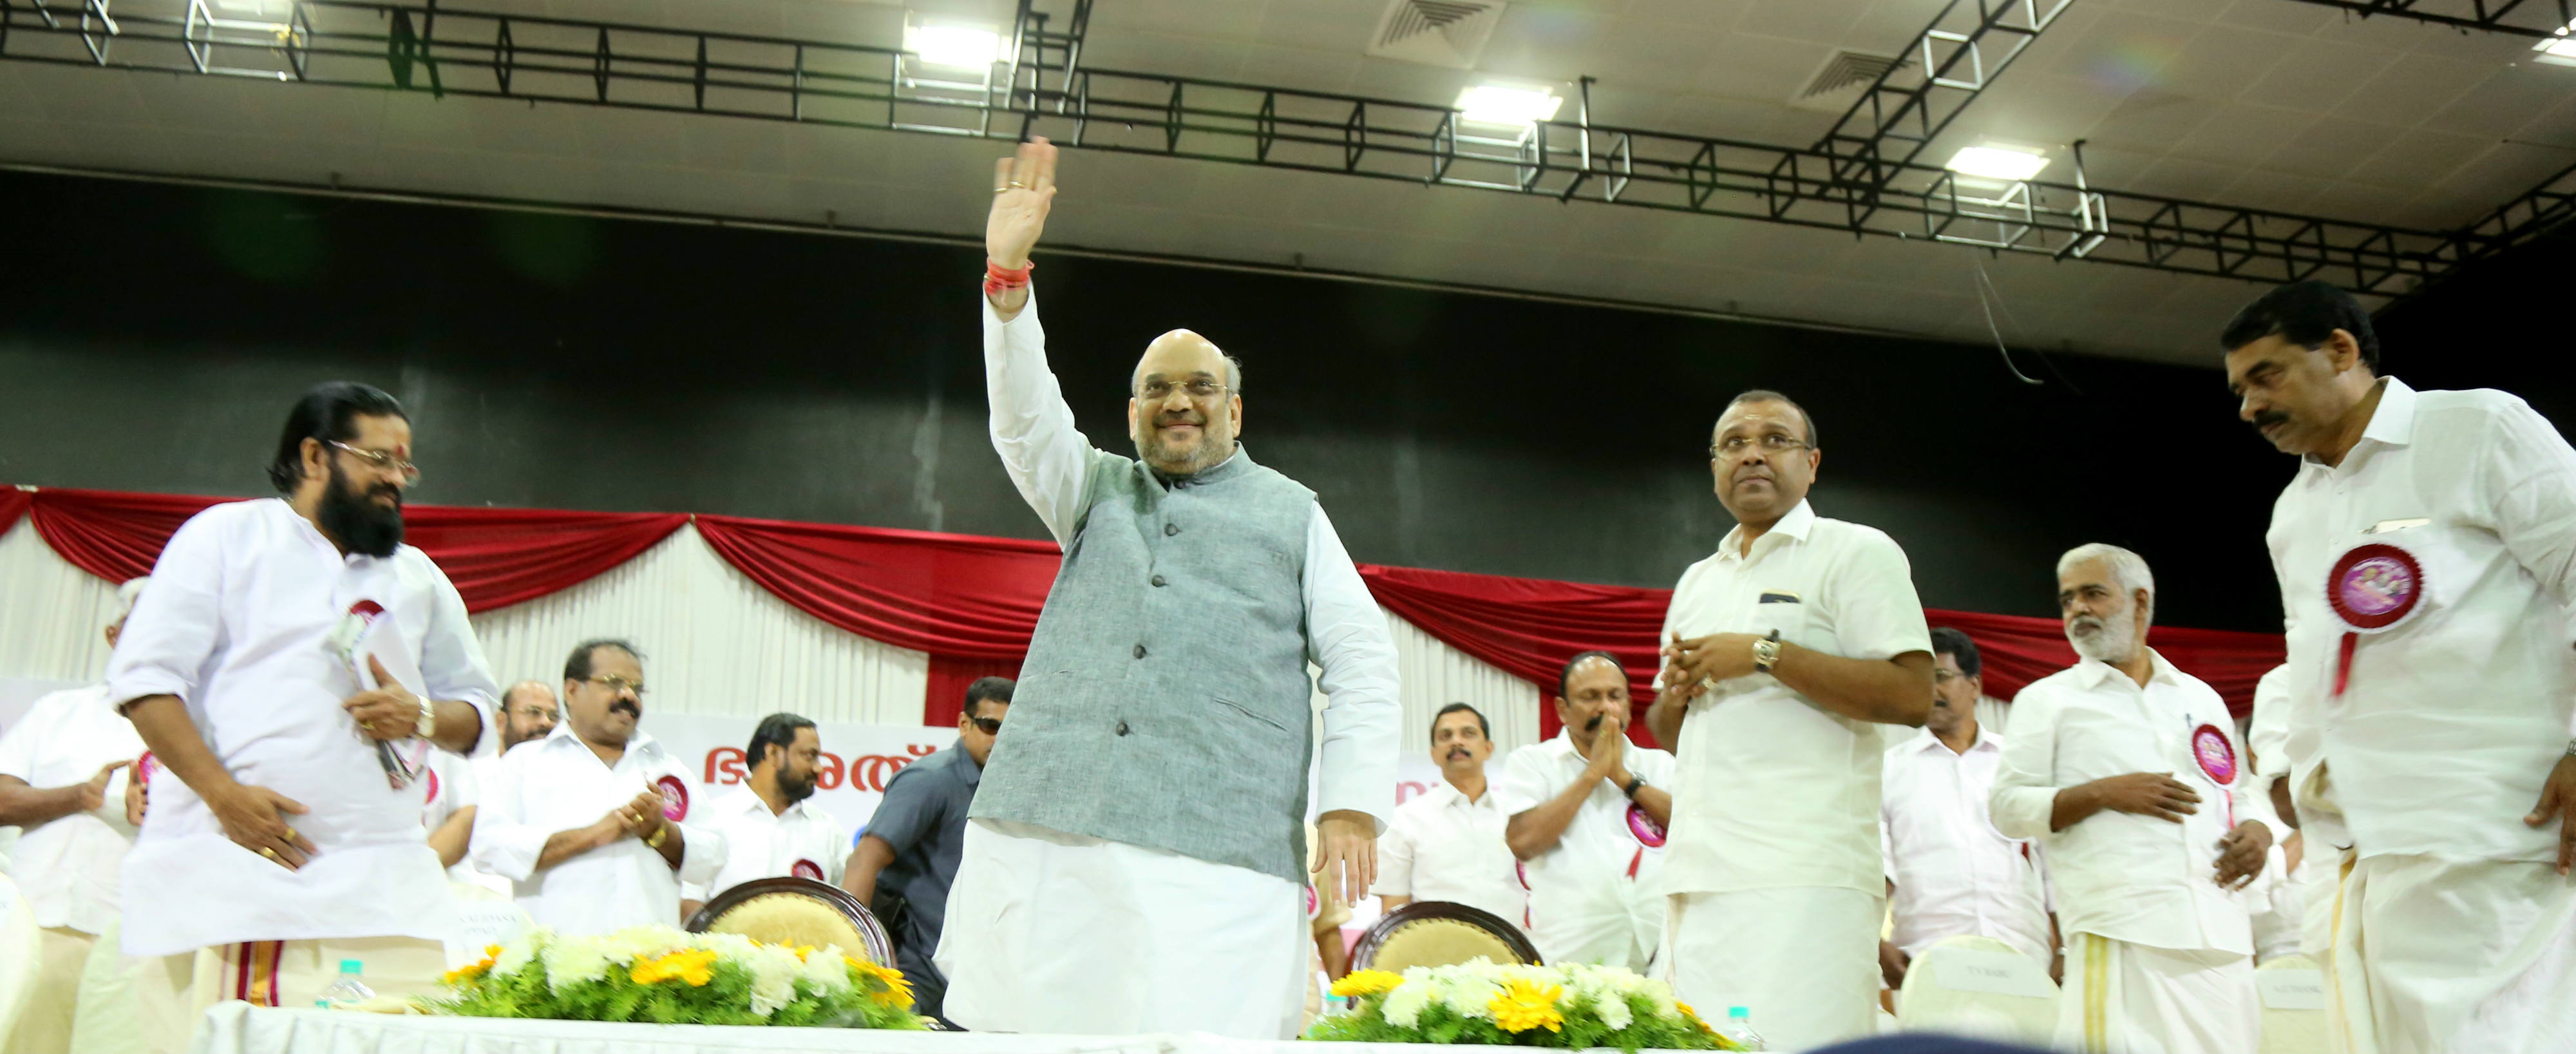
(469, 971)
(897, 991)
(1366, 982)
(1524, 1006)
(694, 967)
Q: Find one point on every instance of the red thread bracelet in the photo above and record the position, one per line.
(998, 278)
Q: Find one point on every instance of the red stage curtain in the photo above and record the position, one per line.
(945, 700)
(1529, 627)
(496, 557)
(952, 595)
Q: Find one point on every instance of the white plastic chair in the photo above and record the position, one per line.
(2294, 1015)
(1954, 987)
(19, 954)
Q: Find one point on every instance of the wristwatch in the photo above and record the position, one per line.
(1766, 651)
(1630, 790)
(428, 726)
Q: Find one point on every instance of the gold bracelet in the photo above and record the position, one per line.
(659, 834)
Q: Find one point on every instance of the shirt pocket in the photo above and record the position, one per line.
(1788, 612)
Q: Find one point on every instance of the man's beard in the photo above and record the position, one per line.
(1205, 454)
(794, 789)
(355, 520)
(2111, 639)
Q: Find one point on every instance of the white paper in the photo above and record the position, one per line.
(480, 924)
(2003, 973)
(2292, 989)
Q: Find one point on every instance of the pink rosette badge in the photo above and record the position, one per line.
(2216, 755)
(807, 869)
(675, 798)
(2374, 588)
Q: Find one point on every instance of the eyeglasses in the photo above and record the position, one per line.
(1200, 390)
(615, 684)
(991, 726)
(1735, 446)
(382, 462)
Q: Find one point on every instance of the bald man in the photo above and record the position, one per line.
(1147, 803)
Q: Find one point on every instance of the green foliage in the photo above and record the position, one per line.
(1582, 1029)
(724, 1000)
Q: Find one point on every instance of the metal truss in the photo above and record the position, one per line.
(1941, 71)
(424, 48)
(2527, 18)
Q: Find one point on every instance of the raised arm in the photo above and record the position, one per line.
(1048, 459)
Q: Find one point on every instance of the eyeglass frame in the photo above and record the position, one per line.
(615, 683)
(1215, 388)
(1716, 450)
(380, 461)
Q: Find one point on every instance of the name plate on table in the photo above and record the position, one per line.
(480, 924)
(2003, 973)
(2292, 989)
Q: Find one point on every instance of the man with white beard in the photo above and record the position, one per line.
(2110, 762)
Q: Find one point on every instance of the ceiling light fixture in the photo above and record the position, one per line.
(1998, 162)
(1507, 104)
(2558, 50)
(962, 47)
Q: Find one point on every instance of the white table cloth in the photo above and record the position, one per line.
(239, 1028)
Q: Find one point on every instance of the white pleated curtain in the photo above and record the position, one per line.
(714, 641)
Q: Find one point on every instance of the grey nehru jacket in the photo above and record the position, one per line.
(1165, 701)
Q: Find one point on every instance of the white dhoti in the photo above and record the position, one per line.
(1052, 932)
(1619, 927)
(2435, 956)
(2124, 998)
(172, 992)
(1802, 961)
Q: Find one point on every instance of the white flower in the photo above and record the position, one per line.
(518, 953)
(573, 961)
(825, 970)
(1404, 1005)
(771, 991)
(1613, 1009)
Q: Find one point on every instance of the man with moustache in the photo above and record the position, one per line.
(1447, 844)
(1154, 783)
(904, 865)
(2129, 771)
(1784, 651)
(770, 827)
(277, 844)
(2426, 552)
(67, 779)
(527, 713)
(1587, 812)
(1949, 872)
(590, 823)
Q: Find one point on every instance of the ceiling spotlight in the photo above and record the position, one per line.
(1505, 104)
(1998, 162)
(963, 47)
(2558, 50)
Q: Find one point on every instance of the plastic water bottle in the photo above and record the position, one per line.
(1739, 1029)
(348, 991)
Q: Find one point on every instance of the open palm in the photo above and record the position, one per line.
(1023, 190)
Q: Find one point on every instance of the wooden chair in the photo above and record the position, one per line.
(796, 911)
(1439, 933)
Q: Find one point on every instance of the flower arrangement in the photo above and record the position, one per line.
(1570, 1007)
(662, 975)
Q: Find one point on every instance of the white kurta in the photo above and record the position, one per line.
(1441, 846)
(69, 868)
(237, 624)
(1777, 796)
(1954, 873)
(2449, 724)
(804, 842)
(1598, 895)
(1189, 945)
(2161, 933)
(559, 784)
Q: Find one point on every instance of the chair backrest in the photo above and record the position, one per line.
(1978, 986)
(796, 911)
(2294, 1005)
(19, 954)
(1439, 933)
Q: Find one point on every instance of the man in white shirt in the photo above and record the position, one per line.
(284, 844)
(2130, 771)
(590, 823)
(66, 777)
(527, 712)
(1785, 652)
(1447, 844)
(1587, 812)
(2426, 561)
(770, 824)
(1156, 774)
(2307, 880)
(1949, 872)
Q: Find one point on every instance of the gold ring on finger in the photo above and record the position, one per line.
(268, 851)
(998, 190)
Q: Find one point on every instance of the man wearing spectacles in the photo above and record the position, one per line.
(772, 827)
(1157, 768)
(255, 669)
(902, 867)
(590, 823)
(1783, 653)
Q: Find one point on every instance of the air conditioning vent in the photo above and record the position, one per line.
(1448, 33)
(1839, 82)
